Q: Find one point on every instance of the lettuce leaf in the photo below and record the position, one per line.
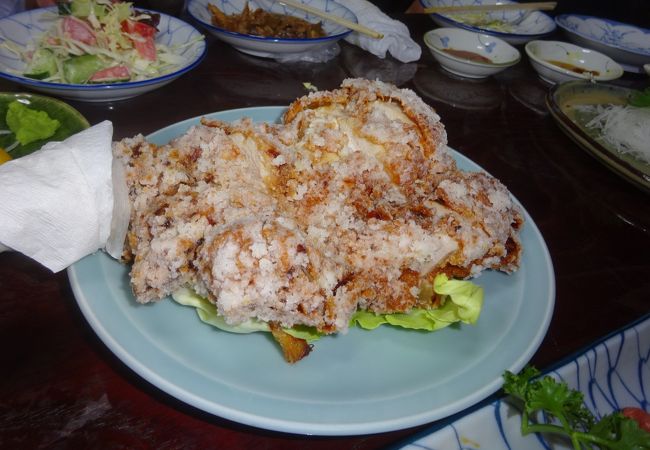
(208, 313)
(30, 125)
(461, 302)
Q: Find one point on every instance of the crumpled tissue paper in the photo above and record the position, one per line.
(397, 38)
(66, 200)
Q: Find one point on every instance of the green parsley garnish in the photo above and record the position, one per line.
(552, 407)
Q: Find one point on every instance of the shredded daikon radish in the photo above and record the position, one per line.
(626, 128)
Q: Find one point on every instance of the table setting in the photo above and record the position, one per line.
(212, 236)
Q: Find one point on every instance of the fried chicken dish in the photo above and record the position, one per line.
(352, 202)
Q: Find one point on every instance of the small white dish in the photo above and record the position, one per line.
(269, 47)
(469, 54)
(626, 44)
(24, 27)
(557, 62)
(514, 27)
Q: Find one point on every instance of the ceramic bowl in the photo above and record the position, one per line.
(626, 44)
(514, 27)
(270, 47)
(557, 62)
(24, 27)
(470, 54)
(70, 120)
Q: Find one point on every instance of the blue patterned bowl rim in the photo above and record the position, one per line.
(106, 87)
(505, 34)
(561, 19)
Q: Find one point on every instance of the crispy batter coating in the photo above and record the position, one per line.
(352, 202)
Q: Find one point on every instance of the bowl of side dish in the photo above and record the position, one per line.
(513, 26)
(469, 54)
(237, 22)
(178, 48)
(557, 62)
(628, 45)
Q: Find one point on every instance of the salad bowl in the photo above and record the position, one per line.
(626, 44)
(514, 27)
(21, 30)
(271, 47)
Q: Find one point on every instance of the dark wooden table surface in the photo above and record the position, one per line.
(62, 388)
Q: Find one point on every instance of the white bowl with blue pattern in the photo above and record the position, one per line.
(558, 62)
(25, 27)
(270, 47)
(612, 374)
(514, 27)
(626, 44)
(453, 48)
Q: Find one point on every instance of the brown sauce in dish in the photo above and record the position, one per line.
(468, 55)
(573, 68)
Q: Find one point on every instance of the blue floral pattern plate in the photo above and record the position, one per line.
(626, 44)
(270, 47)
(522, 26)
(612, 374)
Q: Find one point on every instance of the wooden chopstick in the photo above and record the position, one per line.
(332, 18)
(538, 6)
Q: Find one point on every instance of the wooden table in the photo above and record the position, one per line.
(62, 388)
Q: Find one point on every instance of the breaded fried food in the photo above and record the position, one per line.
(352, 202)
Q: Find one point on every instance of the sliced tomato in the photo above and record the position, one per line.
(144, 38)
(640, 416)
(78, 30)
(115, 73)
(146, 49)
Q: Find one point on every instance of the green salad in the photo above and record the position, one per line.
(99, 41)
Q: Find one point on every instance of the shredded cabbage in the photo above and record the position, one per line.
(625, 128)
(461, 302)
(482, 20)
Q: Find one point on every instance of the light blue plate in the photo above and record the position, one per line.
(361, 382)
(25, 27)
(612, 375)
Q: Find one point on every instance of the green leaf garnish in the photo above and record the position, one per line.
(550, 406)
(30, 125)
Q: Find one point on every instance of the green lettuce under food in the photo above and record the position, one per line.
(461, 302)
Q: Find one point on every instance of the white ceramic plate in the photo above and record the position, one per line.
(612, 375)
(526, 25)
(358, 383)
(626, 44)
(266, 46)
(24, 27)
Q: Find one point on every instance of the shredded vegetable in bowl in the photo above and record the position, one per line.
(99, 41)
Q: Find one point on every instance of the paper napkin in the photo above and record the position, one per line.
(59, 204)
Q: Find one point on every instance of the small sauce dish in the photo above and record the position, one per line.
(470, 54)
(557, 62)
